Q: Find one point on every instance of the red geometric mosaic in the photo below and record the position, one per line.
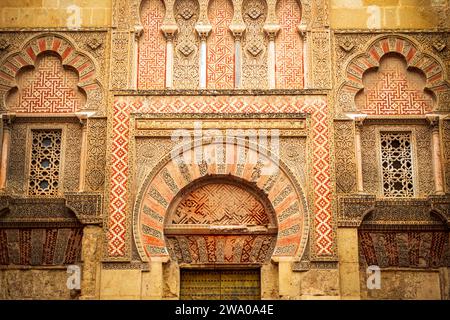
(47, 89)
(289, 46)
(317, 107)
(392, 90)
(152, 47)
(433, 71)
(220, 204)
(220, 59)
(31, 54)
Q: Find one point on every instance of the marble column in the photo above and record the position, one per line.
(6, 141)
(138, 31)
(358, 156)
(271, 30)
(203, 32)
(238, 31)
(84, 151)
(302, 29)
(169, 32)
(436, 155)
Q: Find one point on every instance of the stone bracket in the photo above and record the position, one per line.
(352, 209)
(87, 206)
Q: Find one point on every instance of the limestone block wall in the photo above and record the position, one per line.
(54, 13)
(161, 280)
(389, 14)
(407, 284)
(34, 283)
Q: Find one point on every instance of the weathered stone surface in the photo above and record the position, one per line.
(120, 284)
(319, 284)
(404, 284)
(269, 281)
(91, 256)
(34, 284)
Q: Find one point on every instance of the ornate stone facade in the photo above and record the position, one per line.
(143, 147)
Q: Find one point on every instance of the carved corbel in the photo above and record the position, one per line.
(86, 206)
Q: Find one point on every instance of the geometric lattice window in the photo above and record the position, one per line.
(396, 164)
(45, 162)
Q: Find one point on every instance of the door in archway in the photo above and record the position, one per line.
(220, 284)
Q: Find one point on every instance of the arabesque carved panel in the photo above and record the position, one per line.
(254, 45)
(186, 67)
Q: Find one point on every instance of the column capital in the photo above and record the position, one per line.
(271, 29)
(8, 119)
(138, 31)
(203, 31)
(83, 116)
(359, 121)
(169, 31)
(433, 121)
(303, 30)
(237, 30)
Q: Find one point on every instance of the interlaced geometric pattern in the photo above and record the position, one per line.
(317, 107)
(45, 163)
(48, 88)
(393, 90)
(220, 204)
(152, 47)
(396, 164)
(289, 46)
(220, 46)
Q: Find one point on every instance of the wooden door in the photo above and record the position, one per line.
(220, 284)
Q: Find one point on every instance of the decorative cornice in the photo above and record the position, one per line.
(208, 92)
(57, 29)
(87, 208)
(354, 210)
(388, 31)
(308, 265)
